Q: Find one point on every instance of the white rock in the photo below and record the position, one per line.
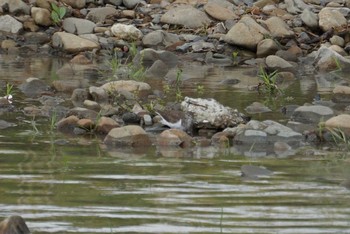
(126, 32)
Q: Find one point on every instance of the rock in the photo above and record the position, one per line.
(83, 113)
(41, 16)
(125, 85)
(98, 94)
(14, 225)
(72, 43)
(174, 137)
(147, 57)
(99, 15)
(309, 18)
(8, 44)
(340, 122)
(92, 105)
(126, 32)
(287, 55)
(337, 40)
(330, 18)
(278, 27)
(130, 135)
(160, 37)
(265, 134)
(33, 87)
(275, 62)
(130, 4)
(328, 60)
(147, 119)
(312, 114)
(80, 59)
(220, 139)
(86, 124)
(105, 124)
(68, 86)
(295, 6)
(131, 118)
(208, 113)
(186, 16)
(246, 33)
(75, 3)
(4, 124)
(78, 26)
(10, 24)
(15, 7)
(219, 12)
(254, 172)
(257, 107)
(67, 125)
(266, 47)
(341, 94)
(158, 70)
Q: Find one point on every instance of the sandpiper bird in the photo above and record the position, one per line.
(175, 119)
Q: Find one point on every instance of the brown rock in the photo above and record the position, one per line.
(14, 225)
(341, 122)
(174, 137)
(105, 124)
(67, 125)
(220, 139)
(41, 16)
(131, 135)
(218, 12)
(86, 124)
(80, 59)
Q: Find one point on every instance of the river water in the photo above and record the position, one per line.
(61, 184)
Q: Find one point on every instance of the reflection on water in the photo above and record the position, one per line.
(85, 190)
(78, 186)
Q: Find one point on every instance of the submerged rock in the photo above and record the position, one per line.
(254, 172)
(312, 114)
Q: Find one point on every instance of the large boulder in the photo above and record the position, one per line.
(131, 135)
(246, 33)
(208, 113)
(330, 18)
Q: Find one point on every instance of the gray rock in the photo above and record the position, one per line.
(147, 119)
(186, 16)
(114, 2)
(79, 96)
(148, 56)
(158, 70)
(13, 225)
(72, 43)
(83, 113)
(257, 107)
(309, 18)
(126, 85)
(295, 6)
(266, 133)
(208, 113)
(98, 94)
(10, 24)
(98, 15)
(159, 37)
(130, 4)
(131, 118)
(275, 62)
(246, 33)
(78, 26)
(33, 87)
(130, 135)
(327, 59)
(126, 32)
(278, 27)
(312, 114)
(331, 18)
(15, 7)
(266, 47)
